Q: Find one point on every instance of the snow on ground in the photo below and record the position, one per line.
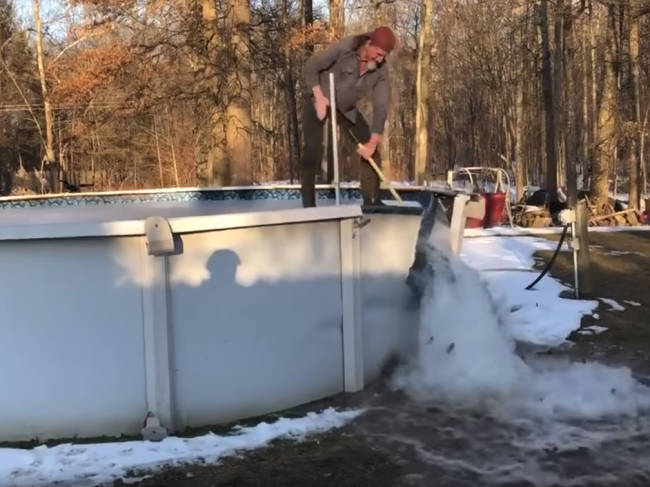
(592, 330)
(541, 316)
(519, 231)
(614, 306)
(616, 253)
(94, 464)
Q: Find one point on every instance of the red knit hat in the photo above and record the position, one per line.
(384, 38)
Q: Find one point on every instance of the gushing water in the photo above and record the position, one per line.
(467, 354)
(467, 361)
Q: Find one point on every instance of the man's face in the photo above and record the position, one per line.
(374, 56)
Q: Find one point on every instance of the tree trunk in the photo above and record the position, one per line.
(571, 118)
(337, 29)
(337, 18)
(594, 92)
(238, 134)
(634, 168)
(588, 103)
(547, 94)
(520, 165)
(290, 93)
(49, 114)
(217, 168)
(422, 82)
(307, 17)
(558, 72)
(606, 143)
(381, 18)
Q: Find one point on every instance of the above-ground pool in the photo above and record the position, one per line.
(237, 303)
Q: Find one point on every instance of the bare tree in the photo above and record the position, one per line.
(423, 80)
(49, 113)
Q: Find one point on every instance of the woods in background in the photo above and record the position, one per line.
(125, 94)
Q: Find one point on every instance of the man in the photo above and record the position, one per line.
(359, 67)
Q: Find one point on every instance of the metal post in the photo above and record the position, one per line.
(584, 261)
(578, 220)
(335, 142)
(575, 241)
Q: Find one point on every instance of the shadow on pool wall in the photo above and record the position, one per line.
(254, 325)
(264, 333)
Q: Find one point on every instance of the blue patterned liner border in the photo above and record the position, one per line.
(253, 193)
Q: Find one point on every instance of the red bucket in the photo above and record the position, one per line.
(475, 222)
(495, 203)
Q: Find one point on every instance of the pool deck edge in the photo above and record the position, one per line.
(186, 224)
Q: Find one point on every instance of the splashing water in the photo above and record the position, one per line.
(467, 356)
(486, 416)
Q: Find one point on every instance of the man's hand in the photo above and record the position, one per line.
(367, 150)
(321, 107)
(321, 103)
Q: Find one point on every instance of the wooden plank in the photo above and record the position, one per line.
(610, 215)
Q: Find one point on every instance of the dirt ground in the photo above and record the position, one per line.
(334, 459)
(364, 455)
(620, 264)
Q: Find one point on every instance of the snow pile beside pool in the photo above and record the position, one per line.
(539, 316)
(94, 464)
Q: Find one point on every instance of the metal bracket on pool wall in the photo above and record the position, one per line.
(160, 238)
(359, 223)
(450, 210)
(442, 226)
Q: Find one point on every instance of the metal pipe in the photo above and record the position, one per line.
(335, 141)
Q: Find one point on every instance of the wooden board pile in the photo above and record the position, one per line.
(613, 215)
(531, 217)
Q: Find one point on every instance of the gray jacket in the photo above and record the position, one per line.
(342, 59)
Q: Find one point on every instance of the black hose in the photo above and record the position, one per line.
(550, 262)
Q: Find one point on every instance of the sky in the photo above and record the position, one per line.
(48, 9)
(55, 15)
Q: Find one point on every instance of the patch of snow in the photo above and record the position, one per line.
(522, 232)
(614, 306)
(541, 317)
(592, 330)
(631, 303)
(623, 252)
(94, 464)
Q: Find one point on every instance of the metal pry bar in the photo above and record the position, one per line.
(334, 141)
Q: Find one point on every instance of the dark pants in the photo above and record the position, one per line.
(312, 129)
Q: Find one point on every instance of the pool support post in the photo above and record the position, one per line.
(160, 244)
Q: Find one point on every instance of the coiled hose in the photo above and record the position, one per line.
(550, 262)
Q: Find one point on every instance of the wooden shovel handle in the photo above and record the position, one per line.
(382, 177)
